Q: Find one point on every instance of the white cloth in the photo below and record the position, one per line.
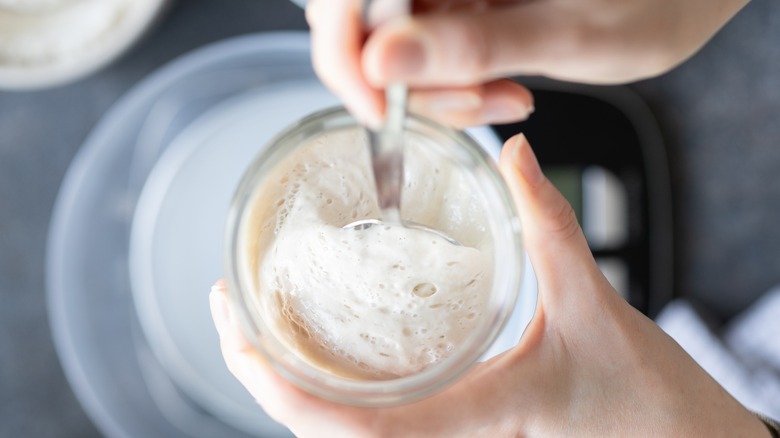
(744, 358)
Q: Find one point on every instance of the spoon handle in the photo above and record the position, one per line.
(387, 155)
(387, 144)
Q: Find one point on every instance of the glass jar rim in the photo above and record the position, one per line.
(371, 392)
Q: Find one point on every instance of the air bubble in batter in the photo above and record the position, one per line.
(424, 290)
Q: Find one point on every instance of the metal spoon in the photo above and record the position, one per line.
(387, 157)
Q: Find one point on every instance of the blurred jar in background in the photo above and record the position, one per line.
(45, 43)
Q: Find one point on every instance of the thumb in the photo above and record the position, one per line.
(553, 238)
(462, 47)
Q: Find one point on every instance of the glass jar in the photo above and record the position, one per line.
(500, 227)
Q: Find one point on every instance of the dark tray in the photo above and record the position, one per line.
(610, 128)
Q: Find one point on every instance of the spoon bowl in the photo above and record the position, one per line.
(365, 224)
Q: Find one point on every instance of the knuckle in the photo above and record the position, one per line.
(457, 45)
(563, 222)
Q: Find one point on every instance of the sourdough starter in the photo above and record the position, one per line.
(379, 303)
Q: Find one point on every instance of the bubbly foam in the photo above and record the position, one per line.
(378, 303)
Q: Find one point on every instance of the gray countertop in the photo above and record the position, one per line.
(720, 113)
(40, 133)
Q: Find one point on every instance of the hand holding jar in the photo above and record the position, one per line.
(588, 364)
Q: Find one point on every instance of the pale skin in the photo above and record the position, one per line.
(589, 364)
(454, 53)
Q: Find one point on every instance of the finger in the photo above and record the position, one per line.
(336, 41)
(236, 350)
(501, 101)
(559, 253)
(277, 397)
(220, 312)
(280, 399)
(231, 339)
(467, 47)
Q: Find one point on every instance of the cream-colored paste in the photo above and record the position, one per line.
(379, 303)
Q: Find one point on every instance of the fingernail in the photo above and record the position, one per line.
(406, 58)
(504, 111)
(219, 286)
(526, 161)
